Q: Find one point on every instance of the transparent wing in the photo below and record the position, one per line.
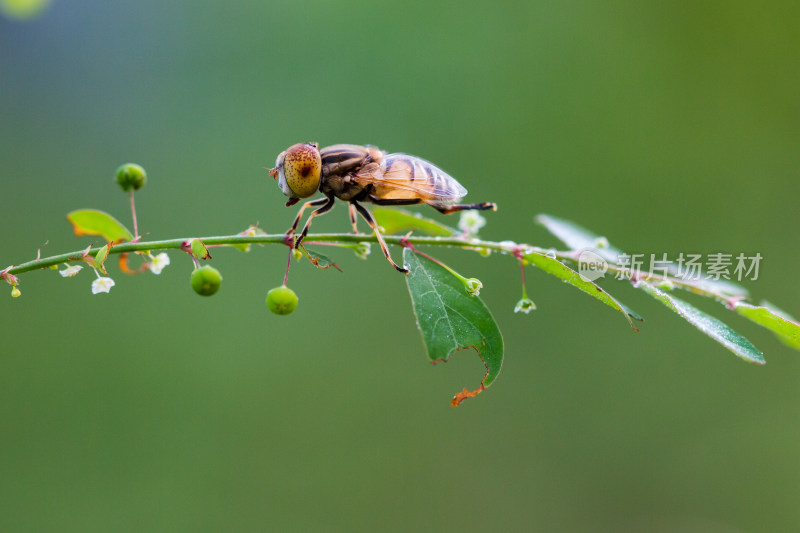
(402, 176)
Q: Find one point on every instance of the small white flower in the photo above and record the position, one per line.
(159, 262)
(70, 271)
(470, 222)
(102, 284)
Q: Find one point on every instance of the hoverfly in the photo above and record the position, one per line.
(364, 174)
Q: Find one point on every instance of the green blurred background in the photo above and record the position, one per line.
(667, 127)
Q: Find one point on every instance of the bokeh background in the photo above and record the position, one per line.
(667, 127)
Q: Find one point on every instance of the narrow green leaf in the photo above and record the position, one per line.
(555, 267)
(395, 221)
(319, 260)
(450, 319)
(94, 222)
(578, 238)
(783, 325)
(706, 323)
(719, 286)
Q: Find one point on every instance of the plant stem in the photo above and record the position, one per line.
(288, 264)
(133, 212)
(177, 244)
(279, 238)
(522, 270)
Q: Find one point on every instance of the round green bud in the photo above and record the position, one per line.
(206, 280)
(131, 176)
(281, 300)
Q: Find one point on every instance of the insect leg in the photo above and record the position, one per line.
(320, 201)
(447, 209)
(353, 218)
(398, 201)
(371, 221)
(324, 209)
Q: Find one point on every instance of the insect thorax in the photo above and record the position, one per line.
(342, 187)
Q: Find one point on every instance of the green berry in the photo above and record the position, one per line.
(206, 280)
(281, 300)
(131, 176)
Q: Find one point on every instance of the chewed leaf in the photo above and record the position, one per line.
(706, 323)
(94, 222)
(450, 319)
(319, 260)
(560, 270)
(783, 325)
(578, 238)
(395, 221)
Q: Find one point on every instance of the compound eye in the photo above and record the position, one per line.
(302, 167)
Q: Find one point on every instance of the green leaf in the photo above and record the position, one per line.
(361, 249)
(94, 222)
(319, 260)
(100, 258)
(395, 221)
(720, 286)
(240, 247)
(450, 319)
(706, 323)
(555, 267)
(198, 249)
(577, 238)
(783, 325)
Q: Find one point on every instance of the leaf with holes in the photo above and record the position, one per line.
(450, 319)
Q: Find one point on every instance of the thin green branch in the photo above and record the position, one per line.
(506, 247)
(179, 244)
